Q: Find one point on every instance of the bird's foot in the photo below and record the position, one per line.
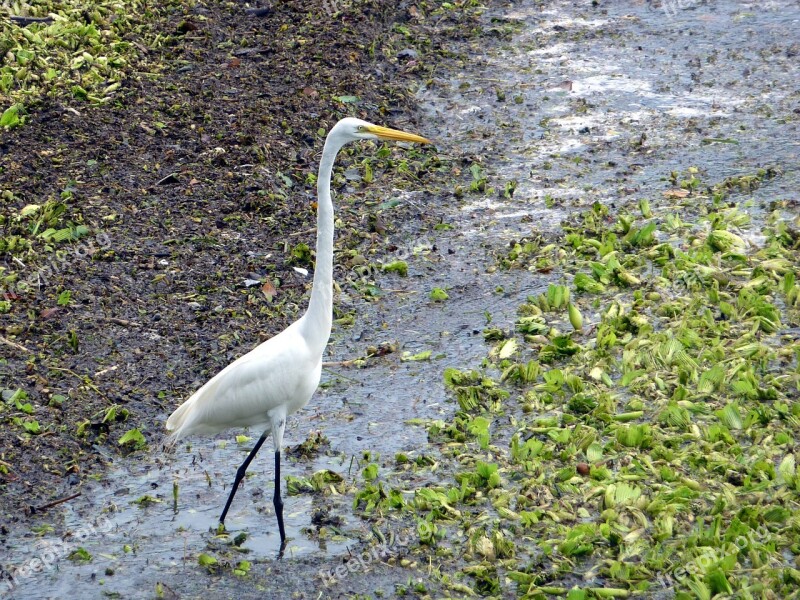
(281, 549)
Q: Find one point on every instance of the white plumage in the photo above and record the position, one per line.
(262, 387)
(266, 385)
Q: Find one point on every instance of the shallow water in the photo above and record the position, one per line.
(608, 103)
(357, 410)
(712, 86)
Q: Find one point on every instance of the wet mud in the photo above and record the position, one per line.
(572, 104)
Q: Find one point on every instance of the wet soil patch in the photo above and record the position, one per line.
(191, 183)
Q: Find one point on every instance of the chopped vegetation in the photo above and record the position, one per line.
(651, 448)
(629, 431)
(128, 183)
(64, 50)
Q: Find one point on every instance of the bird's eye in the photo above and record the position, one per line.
(362, 128)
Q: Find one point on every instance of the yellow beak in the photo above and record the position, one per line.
(384, 133)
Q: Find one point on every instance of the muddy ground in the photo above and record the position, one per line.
(182, 215)
(195, 181)
(192, 183)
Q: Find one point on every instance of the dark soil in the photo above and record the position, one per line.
(191, 183)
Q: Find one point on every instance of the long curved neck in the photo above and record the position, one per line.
(316, 323)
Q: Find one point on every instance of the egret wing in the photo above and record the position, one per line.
(280, 373)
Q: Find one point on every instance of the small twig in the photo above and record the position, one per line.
(337, 374)
(35, 509)
(246, 51)
(30, 20)
(8, 342)
(104, 371)
(341, 363)
(84, 378)
(307, 231)
(123, 322)
(170, 179)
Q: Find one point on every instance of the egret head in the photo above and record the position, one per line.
(350, 129)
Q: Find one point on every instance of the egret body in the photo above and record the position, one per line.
(277, 378)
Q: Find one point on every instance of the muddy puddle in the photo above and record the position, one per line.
(130, 523)
(589, 104)
(578, 105)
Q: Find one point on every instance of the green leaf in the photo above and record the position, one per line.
(146, 500)
(133, 438)
(719, 583)
(408, 357)
(487, 474)
(622, 494)
(584, 283)
(575, 316)
(79, 92)
(389, 204)
(242, 569)
(80, 555)
(298, 485)
(777, 514)
(634, 436)
(787, 469)
(730, 417)
(577, 594)
(675, 416)
(347, 99)
(301, 254)
(27, 408)
(631, 376)
(711, 380)
(508, 348)
(438, 295)
(322, 479)
(399, 266)
(724, 241)
(10, 117)
(32, 427)
(534, 325)
(64, 298)
(701, 592)
(370, 472)
(479, 427)
(594, 452)
(205, 560)
(57, 400)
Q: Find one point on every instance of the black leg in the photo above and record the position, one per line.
(277, 501)
(240, 474)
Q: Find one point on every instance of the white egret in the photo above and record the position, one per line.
(263, 387)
